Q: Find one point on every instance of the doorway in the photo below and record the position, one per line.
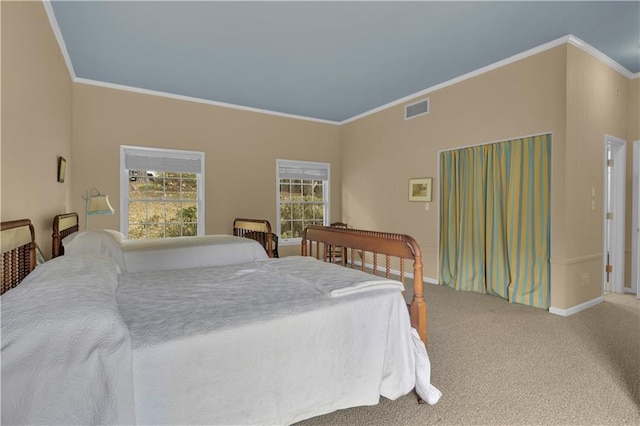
(614, 214)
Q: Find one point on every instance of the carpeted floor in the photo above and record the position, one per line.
(498, 363)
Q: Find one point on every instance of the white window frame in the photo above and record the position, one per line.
(305, 167)
(158, 152)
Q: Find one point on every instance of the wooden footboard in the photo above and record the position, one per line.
(18, 252)
(259, 230)
(359, 246)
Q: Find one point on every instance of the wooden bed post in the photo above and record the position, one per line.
(418, 309)
(63, 225)
(56, 244)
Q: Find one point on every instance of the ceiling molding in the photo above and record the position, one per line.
(198, 100)
(58, 34)
(599, 55)
(75, 79)
(570, 39)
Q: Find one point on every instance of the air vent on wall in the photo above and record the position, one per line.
(416, 109)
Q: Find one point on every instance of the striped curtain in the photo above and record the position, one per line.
(494, 219)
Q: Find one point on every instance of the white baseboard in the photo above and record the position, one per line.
(430, 280)
(577, 308)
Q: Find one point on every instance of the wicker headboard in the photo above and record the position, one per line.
(18, 252)
(259, 230)
(63, 225)
(361, 249)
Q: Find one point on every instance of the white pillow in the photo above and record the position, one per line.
(66, 241)
(102, 242)
(117, 235)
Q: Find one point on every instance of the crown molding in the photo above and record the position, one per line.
(75, 79)
(568, 39)
(600, 56)
(534, 51)
(58, 34)
(197, 100)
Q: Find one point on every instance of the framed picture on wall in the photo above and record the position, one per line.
(62, 168)
(420, 189)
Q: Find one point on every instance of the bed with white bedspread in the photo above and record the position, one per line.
(297, 348)
(165, 254)
(266, 341)
(137, 255)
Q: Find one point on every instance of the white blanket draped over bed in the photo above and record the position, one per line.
(260, 342)
(66, 352)
(289, 350)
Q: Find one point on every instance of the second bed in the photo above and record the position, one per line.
(153, 254)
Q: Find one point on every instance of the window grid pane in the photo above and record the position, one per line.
(301, 204)
(162, 204)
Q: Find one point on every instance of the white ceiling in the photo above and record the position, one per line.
(324, 60)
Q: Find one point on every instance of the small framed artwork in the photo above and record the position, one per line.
(62, 168)
(420, 189)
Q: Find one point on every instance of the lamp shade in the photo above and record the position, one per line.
(99, 204)
(96, 203)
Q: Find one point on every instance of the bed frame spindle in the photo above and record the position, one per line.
(360, 241)
(258, 230)
(19, 260)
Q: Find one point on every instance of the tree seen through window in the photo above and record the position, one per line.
(162, 204)
(302, 203)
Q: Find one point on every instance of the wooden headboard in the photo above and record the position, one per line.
(359, 245)
(63, 225)
(18, 243)
(259, 230)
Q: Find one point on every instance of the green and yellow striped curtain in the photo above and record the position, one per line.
(495, 219)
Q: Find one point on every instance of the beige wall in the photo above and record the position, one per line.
(240, 148)
(564, 91)
(39, 104)
(382, 151)
(597, 103)
(36, 119)
(634, 110)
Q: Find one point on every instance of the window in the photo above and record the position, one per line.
(303, 197)
(162, 191)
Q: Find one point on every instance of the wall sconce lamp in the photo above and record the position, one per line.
(96, 204)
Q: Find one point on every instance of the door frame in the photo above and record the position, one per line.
(635, 221)
(618, 209)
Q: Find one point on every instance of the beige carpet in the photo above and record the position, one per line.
(498, 363)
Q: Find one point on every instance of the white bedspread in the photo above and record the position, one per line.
(165, 253)
(254, 343)
(66, 352)
(270, 342)
(189, 252)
